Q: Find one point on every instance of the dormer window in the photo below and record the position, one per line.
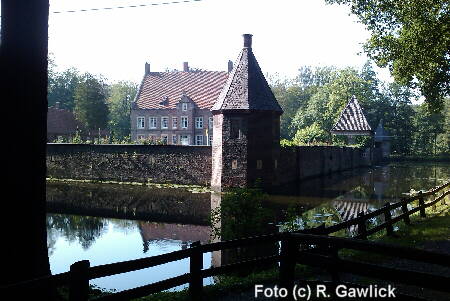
(184, 106)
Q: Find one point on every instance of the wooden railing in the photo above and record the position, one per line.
(324, 255)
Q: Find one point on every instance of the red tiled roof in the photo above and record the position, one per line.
(60, 121)
(203, 87)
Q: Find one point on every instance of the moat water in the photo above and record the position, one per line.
(108, 223)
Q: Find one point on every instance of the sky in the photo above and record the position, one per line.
(287, 34)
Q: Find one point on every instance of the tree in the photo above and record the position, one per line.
(428, 127)
(61, 87)
(119, 103)
(90, 106)
(412, 38)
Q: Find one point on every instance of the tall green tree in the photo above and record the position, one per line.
(90, 102)
(119, 103)
(412, 38)
(61, 87)
(429, 126)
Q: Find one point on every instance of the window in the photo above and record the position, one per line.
(174, 139)
(210, 139)
(184, 139)
(184, 106)
(164, 122)
(235, 131)
(140, 137)
(141, 122)
(199, 140)
(198, 122)
(258, 164)
(174, 122)
(211, 122)
(152, 122)
(152, 138)
(184, 122)
(165, 139)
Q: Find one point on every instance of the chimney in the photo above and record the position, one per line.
(230, 66)
(247, 40)
(185, 67)
(147, 68)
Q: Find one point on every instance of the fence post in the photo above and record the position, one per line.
(405, 212)
(195, 266)
(287, 262)
(388, 219)
(421, 205)
(362, 228)
(79, 281)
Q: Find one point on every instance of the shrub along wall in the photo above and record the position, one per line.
(138, 163)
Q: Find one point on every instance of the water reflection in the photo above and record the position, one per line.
(328, 200)
(342, 196)
(71, 238)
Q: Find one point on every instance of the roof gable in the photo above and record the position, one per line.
(352, 120)
(163, 90)
(246, 87)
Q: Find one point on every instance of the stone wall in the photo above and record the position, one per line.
(188, 164)
(140, 163)
(304, 162)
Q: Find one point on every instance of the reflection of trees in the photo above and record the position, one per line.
(239, 213)
(84, 229)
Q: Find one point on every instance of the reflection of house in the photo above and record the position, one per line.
(61, 123)
(174, 106)
(185, 233)
(349, 210)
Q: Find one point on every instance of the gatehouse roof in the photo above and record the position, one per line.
(352, 121)
(246, 87)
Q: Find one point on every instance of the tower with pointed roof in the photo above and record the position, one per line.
(246, 121)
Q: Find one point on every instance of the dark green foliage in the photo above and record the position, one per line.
(313, 102)
(61, 86)
(119, 103)
(412, 38)
(90, 102)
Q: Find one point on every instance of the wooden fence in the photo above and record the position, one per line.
(325, 254)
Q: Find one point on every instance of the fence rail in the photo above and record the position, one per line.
(326, 255)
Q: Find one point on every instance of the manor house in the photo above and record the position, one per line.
(174, 107)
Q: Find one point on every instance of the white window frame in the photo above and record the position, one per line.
(198, 139)
(174, 122)
(184, 118)
(152, 123)
(174, 139)
(165, 118)
(184, 106)
(187, 138)
(199, 122)
(140, 122)
(210, 122)
(210, 140)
